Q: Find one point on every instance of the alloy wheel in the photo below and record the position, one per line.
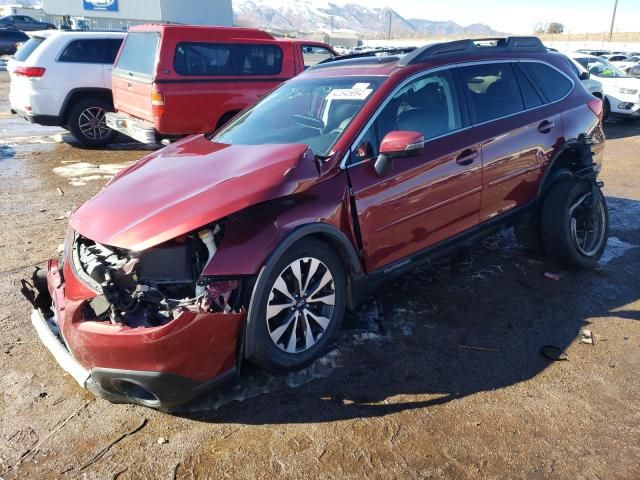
(588, 224)
(301, 305)
(92, 123)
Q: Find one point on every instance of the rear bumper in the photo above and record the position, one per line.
(139, 130)
(46, 120)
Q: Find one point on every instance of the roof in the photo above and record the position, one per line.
(75, 33)
(221, 32)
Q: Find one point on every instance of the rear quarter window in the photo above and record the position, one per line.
(138, 55)
(216, 59)
(553, 84)
(28, 48)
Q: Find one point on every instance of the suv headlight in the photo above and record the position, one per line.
(627, 91)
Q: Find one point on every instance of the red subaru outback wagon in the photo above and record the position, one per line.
(250, 243)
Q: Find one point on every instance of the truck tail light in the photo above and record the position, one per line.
(596, 107)
(157, 103)
(33, 72)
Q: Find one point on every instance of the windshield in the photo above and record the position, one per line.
(311, 111)
(601, 68)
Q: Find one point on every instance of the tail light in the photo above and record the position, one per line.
(34, 72)
(157, 103)
(595, 106)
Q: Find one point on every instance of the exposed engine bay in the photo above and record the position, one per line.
(152, 287)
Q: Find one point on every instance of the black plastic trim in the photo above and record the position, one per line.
(170, 389)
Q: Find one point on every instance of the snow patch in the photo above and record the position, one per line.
(615, 248)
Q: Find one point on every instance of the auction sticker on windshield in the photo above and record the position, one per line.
(357, 92)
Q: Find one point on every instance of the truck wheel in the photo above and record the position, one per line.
(575, 227)
(300, 305)
(87, 123)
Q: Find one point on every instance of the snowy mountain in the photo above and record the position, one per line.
(321, 16)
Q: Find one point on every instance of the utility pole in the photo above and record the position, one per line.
(613, 19)
(389, 36)
(332, 25)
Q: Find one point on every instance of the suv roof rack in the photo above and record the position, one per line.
(371, 53)
(474, 47)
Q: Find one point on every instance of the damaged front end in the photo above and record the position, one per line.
(144, 326)
(154, 286)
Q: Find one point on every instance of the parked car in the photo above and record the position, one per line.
(626, 64)
(24, 23)
(174, 80)
(621, 91)
(64, 79)
(615, 57)
(593, 86)
(250, 242)
(9, 40)
(635, 71)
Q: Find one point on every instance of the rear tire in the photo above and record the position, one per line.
(87, 123)
(293, 327)
(573, 234)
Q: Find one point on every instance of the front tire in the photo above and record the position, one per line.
(575, 227)
(299, 306)
(87, 122)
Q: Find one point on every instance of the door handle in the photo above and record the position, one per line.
(546, 126)
(467, 157)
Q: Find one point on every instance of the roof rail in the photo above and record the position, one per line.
(372, 53)
(474, 47)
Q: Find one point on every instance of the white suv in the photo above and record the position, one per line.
(64, 79)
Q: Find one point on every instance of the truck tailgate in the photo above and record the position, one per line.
(132, 96)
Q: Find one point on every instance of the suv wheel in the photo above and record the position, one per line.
(87, 122)
(575, 226)
(300, 305)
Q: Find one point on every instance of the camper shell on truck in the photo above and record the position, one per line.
(174, 80)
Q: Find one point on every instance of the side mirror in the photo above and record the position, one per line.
(585, 76)
(398, 144)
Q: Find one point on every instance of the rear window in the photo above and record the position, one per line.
(91, 51)
(139, 53)
(553, 84)
(213, 59)
(28, 48)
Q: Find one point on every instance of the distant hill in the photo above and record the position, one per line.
(322, 16)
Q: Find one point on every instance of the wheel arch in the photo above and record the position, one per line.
(564, 164)
(336, 240)
(80, 94)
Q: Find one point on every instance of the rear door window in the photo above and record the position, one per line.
(211, 59)
(90, 51)
(28, 48)
(138, 56)
(554, 85)
(530, 95)
(492, 90)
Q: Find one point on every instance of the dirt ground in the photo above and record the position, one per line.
(440, 377)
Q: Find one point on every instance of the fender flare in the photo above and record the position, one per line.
(548, 178)
(66, 104)
(352, 262)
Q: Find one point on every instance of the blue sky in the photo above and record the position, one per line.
(519, 16)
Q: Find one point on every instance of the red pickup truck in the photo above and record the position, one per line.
(175, 80)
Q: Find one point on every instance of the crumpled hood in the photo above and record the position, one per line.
(187, 185)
